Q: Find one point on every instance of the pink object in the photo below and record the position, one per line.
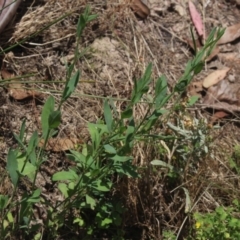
(7, 10)
(196, 18)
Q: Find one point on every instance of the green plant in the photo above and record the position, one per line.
(25, 161)
(223, 223)
(191, 142)
(168, 235)
(235, 159)
(88, 203)
(189, 135)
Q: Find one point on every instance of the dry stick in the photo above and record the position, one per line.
(220, 106)
(8, 10)
(185, 219)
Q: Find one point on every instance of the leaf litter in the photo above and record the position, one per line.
(221, 93)
(16, 90)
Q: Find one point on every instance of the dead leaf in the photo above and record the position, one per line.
(215, 77)
(223, 96)
(218, 115)
(6, 75)
(60, 144)
(195, 88)
(16, 89)
(180, 10)
(140, 9)
(228, 56)
(231, 33)
(196, 18)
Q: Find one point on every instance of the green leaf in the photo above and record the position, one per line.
(76, 156)
(127, 113)
(28, 170)
(71, 185)
(35, 198)
(198, 68)
(3, 201)
(160, 91)
(198, 60)
(146, 77)
(26, 221)
(86, 161)
(102, 127)
(32, 144)
(81, 25)
(151, 120)
(22, 130)
(10, 217)
(121, 158)
(83, 20)
(12, 166)
(80, 221)
(117, 219)
(130, 128)
(54, 119)
(181, 86)
(20, 142)
(70, 86)
(70, 70)
(105, 222)
(92, 17)
(187, 69)
(194, 41)
(5, 224)
(38, 236)
(87, 15)
(108, 116)
(188, 201)
(126, 169)
(25, 208)
(129, 136)
(95, 135)
(141, 86)
(65, 175)
(64, 189)
(110, 149)
(91, 201)
(162, 164)
(102, 186)
(192, 100)
(48, 108)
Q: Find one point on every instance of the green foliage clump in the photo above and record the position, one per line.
(88, 206)
(223, 223)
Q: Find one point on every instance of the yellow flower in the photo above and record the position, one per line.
(198, 225)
